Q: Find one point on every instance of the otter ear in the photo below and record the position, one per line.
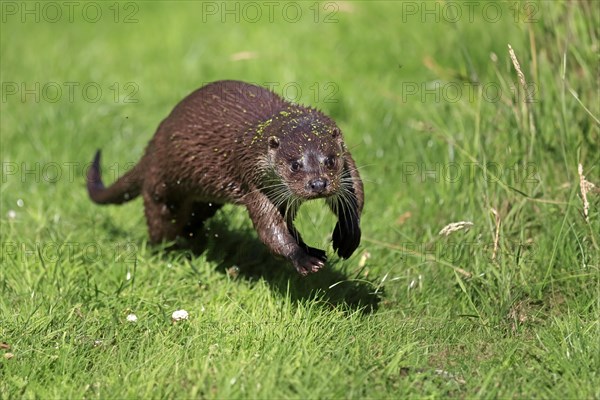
(336, 132)
(273, 142)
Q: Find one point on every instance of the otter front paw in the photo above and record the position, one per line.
(346, 238)
(306, 263)
(318, 253)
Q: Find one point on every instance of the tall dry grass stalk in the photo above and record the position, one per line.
(455, 226)
(497, 233)
(528, 100)
(585, 186)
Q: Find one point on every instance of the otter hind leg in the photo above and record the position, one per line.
(176, 220)
(164, 218)
(197, 213)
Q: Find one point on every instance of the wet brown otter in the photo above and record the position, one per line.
(232, 142)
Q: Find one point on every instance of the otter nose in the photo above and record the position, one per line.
(317, 185)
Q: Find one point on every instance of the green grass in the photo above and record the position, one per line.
(423, 316)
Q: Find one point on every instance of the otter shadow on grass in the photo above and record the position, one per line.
(241, 249)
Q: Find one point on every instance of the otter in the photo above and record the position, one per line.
(234, 142)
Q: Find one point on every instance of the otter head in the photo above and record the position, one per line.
(305, 152)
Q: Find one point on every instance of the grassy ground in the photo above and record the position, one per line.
(436, 116)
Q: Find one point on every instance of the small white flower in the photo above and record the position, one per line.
(20, 203)
(132, 318)
(128, 276)
(12, 214)
(179, 315)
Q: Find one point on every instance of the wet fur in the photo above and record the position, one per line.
(232, 142)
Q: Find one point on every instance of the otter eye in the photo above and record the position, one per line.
(329, 162)
(295, 166)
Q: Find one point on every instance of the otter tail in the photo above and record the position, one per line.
(124, 189)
